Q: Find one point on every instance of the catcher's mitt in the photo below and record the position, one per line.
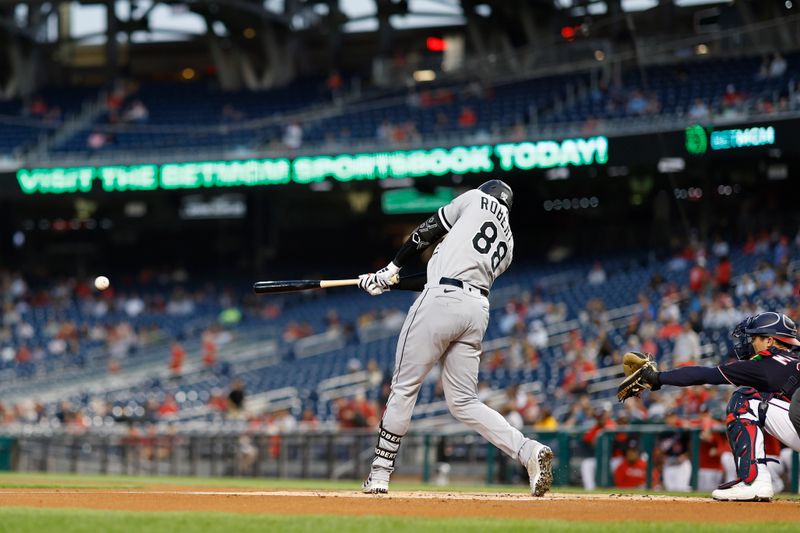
(641, 373)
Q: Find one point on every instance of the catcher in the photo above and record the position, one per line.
(768, 374)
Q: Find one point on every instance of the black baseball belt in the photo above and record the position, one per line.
(460, 284)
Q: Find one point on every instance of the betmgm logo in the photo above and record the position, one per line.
(696, 140)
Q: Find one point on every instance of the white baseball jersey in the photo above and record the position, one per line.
(478, 246)
(446, 325)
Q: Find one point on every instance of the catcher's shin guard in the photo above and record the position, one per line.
(745, 434)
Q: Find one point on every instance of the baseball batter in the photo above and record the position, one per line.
(446, 325)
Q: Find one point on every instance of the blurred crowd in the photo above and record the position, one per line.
(695, 293)
(680, 322)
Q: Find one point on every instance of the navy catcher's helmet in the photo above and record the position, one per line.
(500, 190)
(768, 324)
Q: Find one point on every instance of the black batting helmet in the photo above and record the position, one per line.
(500, 190)
(768, 324)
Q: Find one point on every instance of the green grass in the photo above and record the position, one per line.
(59, 480)
(24, 480)
(24, 520)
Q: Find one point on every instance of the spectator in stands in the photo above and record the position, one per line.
(168, 407)
(591, 125)
(236, 398)
(293, 135)
(555, 313)
(637, 103)
(334, 83)
(764, 106)
(720, 248)
(597, 276)
(537, 335)
(698, 276)
(746, 286)
(217, 402)
(177, 358)
(442, 122)
(677, 471)
(97, 140)
(699, 110)
(595, 313)
(117, 97)
(763, 69)
(53, 115)
(780, 253)
(247, 453)
(764, 275)
(412, 133)
(732, 99)
(670, 321)
(712, 445)
(38, 107)
(602, 421)
(723, 273)
(467, 118)
(137, 113)
(383, 133)
(294, 331)
(512, 415)
(631, 472)
(230, 114)
(777, 67)
(687, 347)
(576, 377)
(545, 421)
(374, 373)
(782, 289)
(308, 420)
(653, 106)
(209, 347)
(285, 421)
(510, 321)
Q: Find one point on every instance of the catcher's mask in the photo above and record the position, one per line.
(768, 324)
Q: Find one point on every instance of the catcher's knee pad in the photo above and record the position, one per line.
(739, 404)
(744, 434)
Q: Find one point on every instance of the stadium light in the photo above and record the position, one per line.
(424, 75)
(435, 44)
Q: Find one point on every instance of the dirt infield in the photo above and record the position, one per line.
(579, 507)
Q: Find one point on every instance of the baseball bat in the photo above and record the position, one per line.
(269, 287)
(292, 285)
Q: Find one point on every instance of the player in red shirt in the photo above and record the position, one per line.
(631, 473)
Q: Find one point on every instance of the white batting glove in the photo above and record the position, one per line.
(387, 276)
(368, 282)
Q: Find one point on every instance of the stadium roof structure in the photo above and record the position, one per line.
(148, 20)
(282, 39)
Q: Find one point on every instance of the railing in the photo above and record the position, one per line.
(328, 454)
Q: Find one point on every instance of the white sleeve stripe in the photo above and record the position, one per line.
(446, 224)
(724, 376)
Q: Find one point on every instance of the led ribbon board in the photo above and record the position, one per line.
(343, 167)
(698, 140)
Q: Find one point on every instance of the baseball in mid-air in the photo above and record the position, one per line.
(101, 283)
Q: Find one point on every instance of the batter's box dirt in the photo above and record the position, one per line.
(560, 506)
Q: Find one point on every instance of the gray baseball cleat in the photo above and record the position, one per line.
(540, 469)
(375, 486)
